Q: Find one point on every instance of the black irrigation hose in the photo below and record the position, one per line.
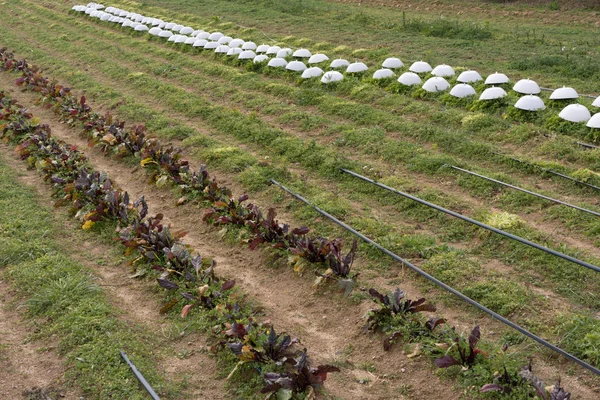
(443, 285)
(526, 191)
(587, 145)
(475, 222)
(550, 171)
(140, 377)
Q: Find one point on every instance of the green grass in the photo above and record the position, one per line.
(486, 41)
(355, 116)
(64, 302)
(253, 129)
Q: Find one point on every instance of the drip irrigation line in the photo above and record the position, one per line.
(140, 377)
(525, 191)
(475, 222)
(550, 171)
(443, 285)
(582, 144)
(587, 145)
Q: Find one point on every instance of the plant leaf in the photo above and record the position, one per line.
(491, 387)
(167, 284)
(185, 310)
(228, 285)
(167, 307)
(446, 361)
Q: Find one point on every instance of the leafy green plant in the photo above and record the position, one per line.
(466, 351)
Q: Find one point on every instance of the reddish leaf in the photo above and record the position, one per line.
(185, 310)
(445, 362)
(490, 387)
(228, 285)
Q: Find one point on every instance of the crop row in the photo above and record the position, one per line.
(435, 87)
(73, 110)
(585, 175)
(166, 166)
(92, 198)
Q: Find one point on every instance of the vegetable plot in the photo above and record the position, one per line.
(92, 198)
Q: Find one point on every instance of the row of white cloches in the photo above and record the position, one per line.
(278, 57)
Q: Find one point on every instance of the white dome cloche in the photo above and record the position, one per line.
(190, 40)
(527, 86)
(236, 43)
(260, 58)
(286, 51)
(246, 55)
(302, 53)
(594, 122)
(196, 33)
(383, 73)
(409, 79)
(331, 76)
(575, 113)
(436, 84)
(178, 28)
(186, 30)
(297, 66)
(225, 40)
(277, 62)
(215, 36)
(493, 93)
(443, 71)
(263, 48)
(200, 43)
(339, 63)
(564, 93)
(317, 58)
(211, 45)
(496, 79)
(420, 67)
(180, 39)
(462, 90)
(469, 77)
(392, 63)
(222, 49)
(596, 102)
(165, 34)
(170, 25)
(356, 67)
(203, 35)
(312, 72)
(530, 103)
(273, 50)
(249, 46)
(234, 51)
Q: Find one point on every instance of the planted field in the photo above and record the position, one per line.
(307, 235)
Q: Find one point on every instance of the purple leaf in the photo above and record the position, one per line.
(167, 284)
(491, 387)
(228, 285)
(446, 361)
